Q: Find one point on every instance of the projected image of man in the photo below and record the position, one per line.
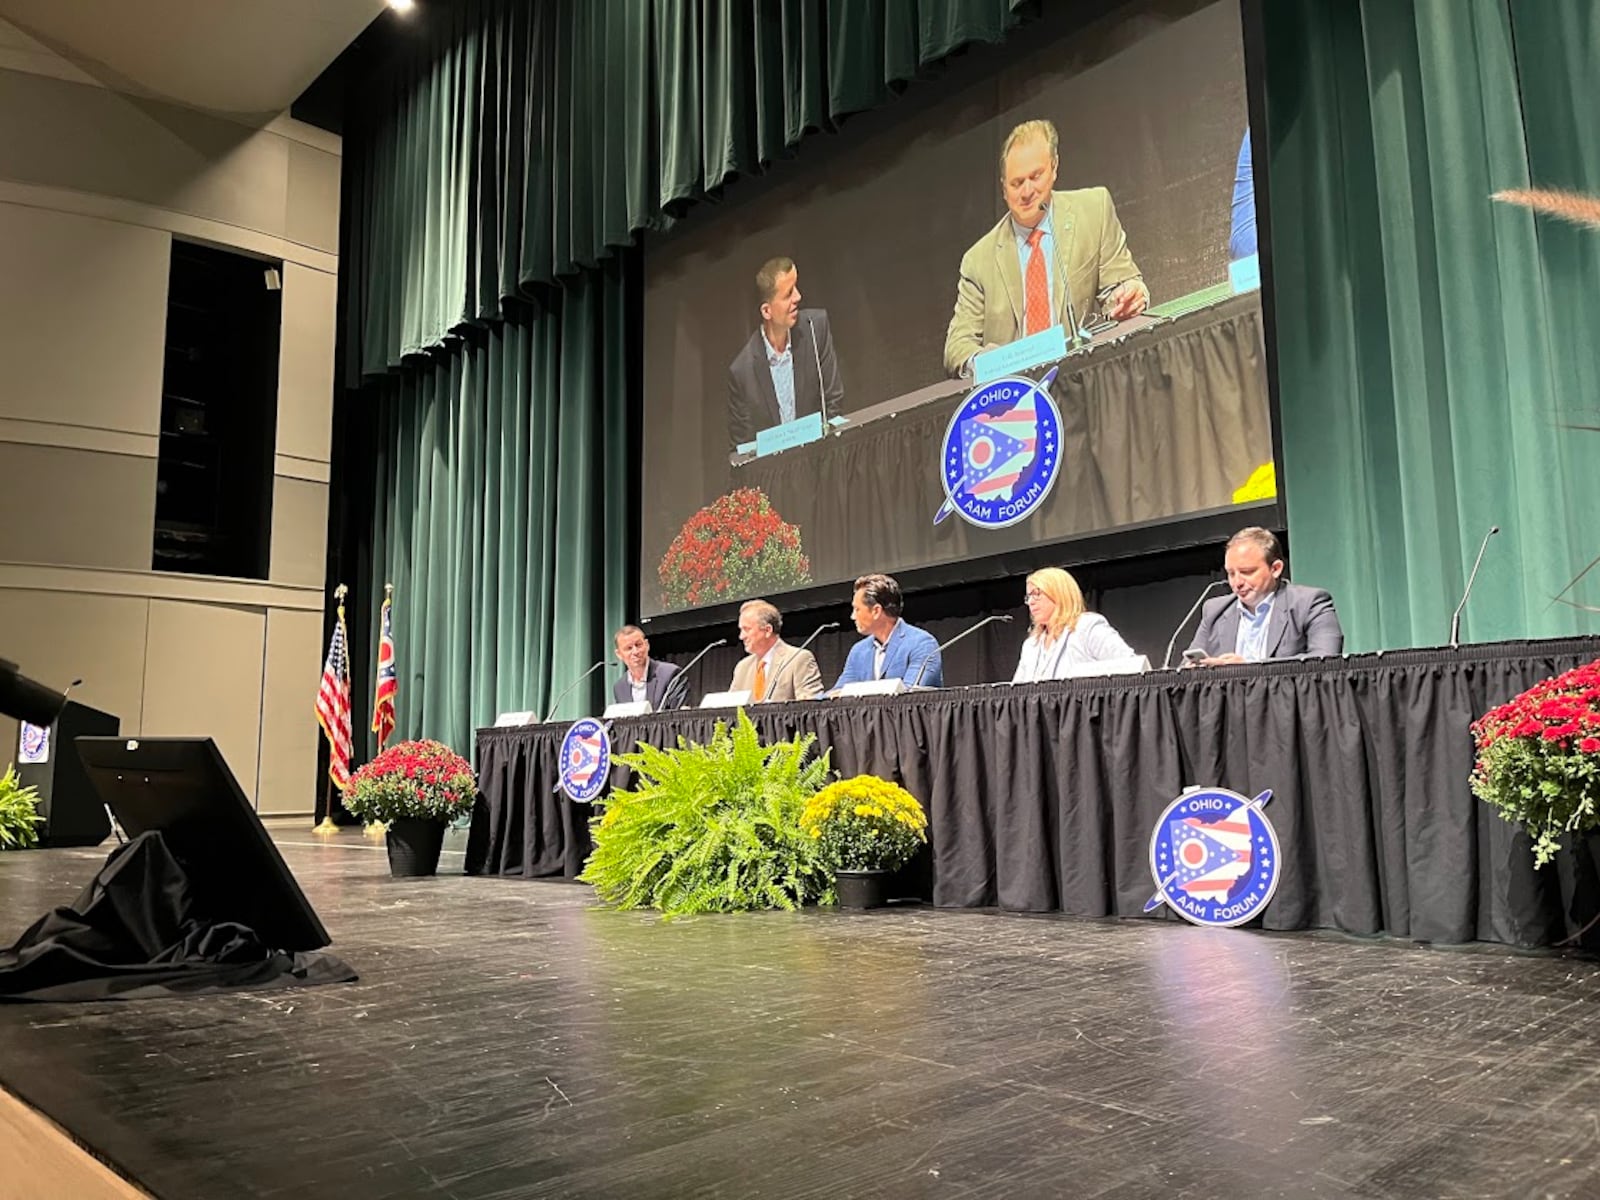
(1054, 258)
(787, 369)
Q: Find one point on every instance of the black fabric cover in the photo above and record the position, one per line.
(137, 931)
(1041, 797)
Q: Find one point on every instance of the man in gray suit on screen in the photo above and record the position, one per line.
(1266, 616)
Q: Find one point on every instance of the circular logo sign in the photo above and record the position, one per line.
(1001, 452)
(35, 743)
(585, 760)
(1214, 857)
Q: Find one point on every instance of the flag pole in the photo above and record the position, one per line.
(327, 828)
(378, 830)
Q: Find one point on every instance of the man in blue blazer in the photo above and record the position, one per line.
(645, 678)
(1266, 616)
(889, 648)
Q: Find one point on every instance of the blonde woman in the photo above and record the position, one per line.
(1060, 633)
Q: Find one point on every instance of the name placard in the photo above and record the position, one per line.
(515, 718)
(1244, 274)
(786, 437)
(873, 687)
(1048, 345)
(630, 708)
(726, 699)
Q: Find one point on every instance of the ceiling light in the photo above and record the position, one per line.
(402, 5)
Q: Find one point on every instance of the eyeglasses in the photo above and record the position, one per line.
(1031, 594)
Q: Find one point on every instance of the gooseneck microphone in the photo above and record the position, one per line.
(1187, 617)
(678, 689)
(551, 714)
(822, 388)
(943, 646)
(790, 661)
(1455, 617)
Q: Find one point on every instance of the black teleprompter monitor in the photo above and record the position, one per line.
(182, 788)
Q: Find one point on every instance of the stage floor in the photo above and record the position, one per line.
(511, 1039)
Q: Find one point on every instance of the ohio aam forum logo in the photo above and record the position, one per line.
(1214, 857)
(585, 760)
(1001, 452)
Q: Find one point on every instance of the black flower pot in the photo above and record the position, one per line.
(414, 845)
(862, 889)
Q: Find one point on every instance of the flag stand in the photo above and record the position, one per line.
(326, 828)
(338, 712)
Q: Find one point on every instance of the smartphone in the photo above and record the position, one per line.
(1193, 654)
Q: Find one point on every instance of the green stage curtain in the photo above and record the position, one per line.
(510, 146)
(1436, 348)
(500, 504)
(498, 165)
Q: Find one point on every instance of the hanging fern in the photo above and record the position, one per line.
(712, 828)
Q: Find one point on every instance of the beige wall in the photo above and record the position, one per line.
(94, 186)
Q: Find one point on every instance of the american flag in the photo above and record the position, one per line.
(333, 706)
(388, 685)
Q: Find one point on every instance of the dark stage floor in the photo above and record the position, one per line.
(509, 1039)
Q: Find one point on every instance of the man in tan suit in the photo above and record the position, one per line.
(1053, 258)
(772, 669)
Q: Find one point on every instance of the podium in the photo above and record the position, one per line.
(47, 759)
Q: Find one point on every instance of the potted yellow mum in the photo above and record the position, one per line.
(866, 828)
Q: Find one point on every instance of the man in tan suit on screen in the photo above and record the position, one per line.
(1053, 259)
(772, 669)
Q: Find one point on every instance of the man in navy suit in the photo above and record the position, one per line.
(787, 369)
(645, 678)
(889, 648)
(1267, 616)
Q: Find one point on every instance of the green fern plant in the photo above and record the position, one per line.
(712, 828)
(18, 813)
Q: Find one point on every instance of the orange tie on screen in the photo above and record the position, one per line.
(758, 689)
(1038, 286)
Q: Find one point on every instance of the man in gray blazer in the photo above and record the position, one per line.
(645, 678)
(1266, 616)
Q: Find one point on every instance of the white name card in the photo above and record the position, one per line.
(1136, 664)
(726, 699)
(874, 687)
(514, 718)
(630, 708)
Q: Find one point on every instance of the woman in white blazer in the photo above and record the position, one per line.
(1060, 633)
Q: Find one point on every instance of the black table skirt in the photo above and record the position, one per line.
(1041, 797)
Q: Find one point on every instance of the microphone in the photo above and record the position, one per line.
(551, 714)
(1455, 617)
(790, 661)
(830, 625)
(822, 391)
(943, 646)
(674, 696)
(1210, 587)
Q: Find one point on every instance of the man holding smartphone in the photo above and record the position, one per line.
(1266, 616)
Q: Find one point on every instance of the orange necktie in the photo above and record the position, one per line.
(758, 690)
(1037, 287)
